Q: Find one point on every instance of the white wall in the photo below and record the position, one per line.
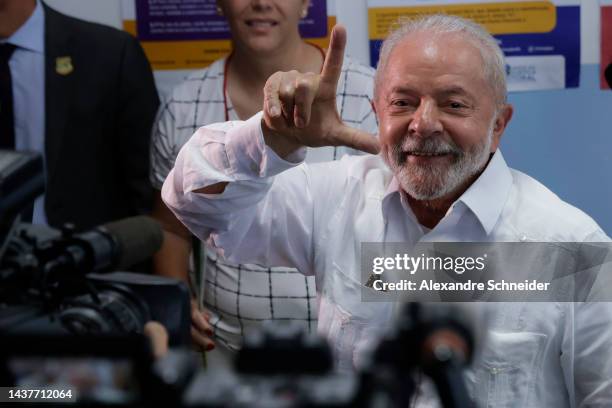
(352, 13)
(590, 32)
(100, 11)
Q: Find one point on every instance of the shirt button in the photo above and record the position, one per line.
(494, 371)
(523, 238)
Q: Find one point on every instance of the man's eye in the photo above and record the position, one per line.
(400, 103)
(456, 105)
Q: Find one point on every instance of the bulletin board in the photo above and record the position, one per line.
(540, 39)
(190, 34)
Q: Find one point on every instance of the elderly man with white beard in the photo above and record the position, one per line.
(440, 99)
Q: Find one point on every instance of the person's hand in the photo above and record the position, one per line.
(300, 109)
(158, 335)
(201, 330)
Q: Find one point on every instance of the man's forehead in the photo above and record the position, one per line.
(436, 48)
(427, 56)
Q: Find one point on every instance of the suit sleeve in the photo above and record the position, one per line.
(138, 103)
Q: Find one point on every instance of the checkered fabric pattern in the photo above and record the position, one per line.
(243, 296)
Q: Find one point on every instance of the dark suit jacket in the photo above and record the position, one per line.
(98, 122)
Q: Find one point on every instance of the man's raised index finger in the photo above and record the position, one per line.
(332, 67)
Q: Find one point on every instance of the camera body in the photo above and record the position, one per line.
(46, 288)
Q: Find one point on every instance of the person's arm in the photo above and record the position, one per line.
(137, 106)
(233, 186)
(172, 259)
(263, 211)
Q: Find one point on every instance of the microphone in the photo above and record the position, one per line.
(446, 332)
(445, 342)
(137, 238)
(109, 247)
(438, 338)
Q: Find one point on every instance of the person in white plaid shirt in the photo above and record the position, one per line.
(236, 297)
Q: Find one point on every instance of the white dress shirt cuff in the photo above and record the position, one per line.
(249, 156)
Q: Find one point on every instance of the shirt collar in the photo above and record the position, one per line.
(485, 198)
(31, 34)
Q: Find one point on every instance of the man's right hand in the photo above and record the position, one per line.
(300, 109)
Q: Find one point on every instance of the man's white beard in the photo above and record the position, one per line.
(429, 182)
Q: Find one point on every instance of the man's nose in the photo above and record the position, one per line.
(426, 120)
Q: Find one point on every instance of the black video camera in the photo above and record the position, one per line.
(67, 294)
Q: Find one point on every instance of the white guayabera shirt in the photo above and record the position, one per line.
(241, 296)
(315, 217)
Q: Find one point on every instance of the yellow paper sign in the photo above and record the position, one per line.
(497, 18)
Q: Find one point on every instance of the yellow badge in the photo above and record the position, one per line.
(63, 65)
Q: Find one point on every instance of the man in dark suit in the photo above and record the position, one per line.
(83, 95)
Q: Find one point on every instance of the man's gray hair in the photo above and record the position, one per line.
(492, 55)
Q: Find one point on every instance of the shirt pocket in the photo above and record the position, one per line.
(506, 373)
(353, 327)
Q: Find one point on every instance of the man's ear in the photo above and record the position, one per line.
(502, 119)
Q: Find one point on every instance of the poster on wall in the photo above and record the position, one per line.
(606, 44)
(190, 34)
(541, 39)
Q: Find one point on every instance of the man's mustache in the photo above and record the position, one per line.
(410, 145)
